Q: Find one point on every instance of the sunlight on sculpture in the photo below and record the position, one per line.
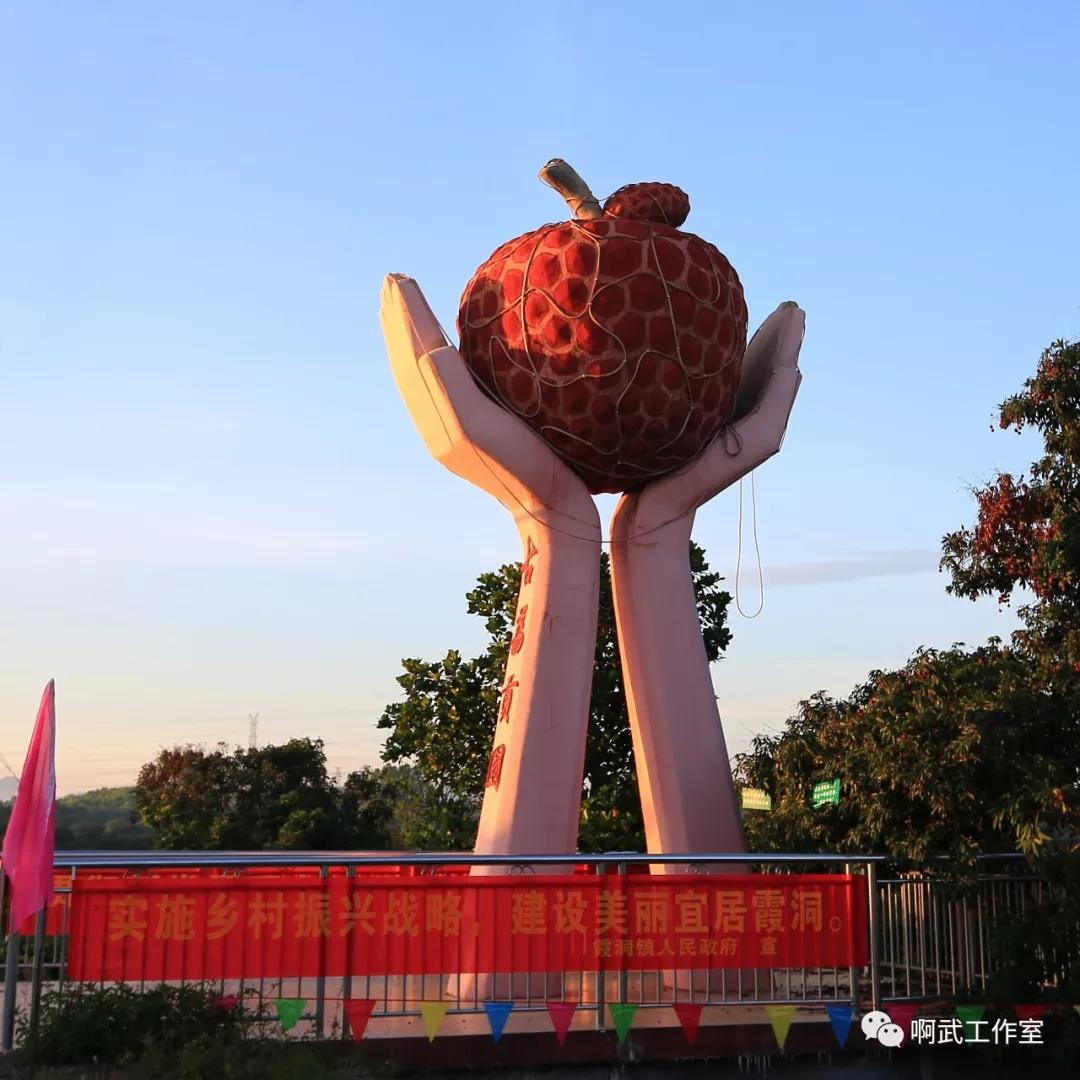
(606, 353)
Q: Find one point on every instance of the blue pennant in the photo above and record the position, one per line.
(840, 1016)
(497, 1012)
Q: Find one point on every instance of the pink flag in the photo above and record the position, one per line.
(30, 840)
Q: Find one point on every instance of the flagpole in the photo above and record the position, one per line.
(11, 986)
(35, 985)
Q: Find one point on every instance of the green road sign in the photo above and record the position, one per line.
(828, 791)
(755, 799)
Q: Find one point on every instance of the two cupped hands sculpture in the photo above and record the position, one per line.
(533, 787)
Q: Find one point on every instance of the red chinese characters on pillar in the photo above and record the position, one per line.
(507, 698)
(494, 771)
(517, 642)
(531, 551)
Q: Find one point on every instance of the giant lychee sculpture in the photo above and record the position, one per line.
(616, 336)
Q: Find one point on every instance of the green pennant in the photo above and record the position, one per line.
(289, 1011)
(756, 799)
(824, 793)
(970, 1014)
(623, 1016)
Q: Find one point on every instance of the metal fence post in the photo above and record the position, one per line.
(601, 977)
(872, 929)
(853, 972)
(320, 981)
(624, 978)
(346, 983)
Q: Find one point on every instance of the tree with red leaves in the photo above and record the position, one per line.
(962, 751)
(1027, 535)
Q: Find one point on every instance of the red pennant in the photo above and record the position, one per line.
(1029, 1012)
(902, 1015)
(689, 1014)
(561, 1013)
(358, 1010)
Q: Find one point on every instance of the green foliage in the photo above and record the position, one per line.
(104, 819)
(268, 798)
(956, 753)
(116, 1024)
(963, 751)
(172, 1033)
(443, 727)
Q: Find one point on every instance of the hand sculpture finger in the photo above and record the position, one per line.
(772, 347)
(411, 332)
(766, 396)
(461, 426)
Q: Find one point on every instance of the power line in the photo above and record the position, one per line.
(253, 730)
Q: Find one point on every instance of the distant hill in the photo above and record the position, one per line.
(8, 786)
(104, 819)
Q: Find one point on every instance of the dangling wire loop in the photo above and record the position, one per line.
(757, 552)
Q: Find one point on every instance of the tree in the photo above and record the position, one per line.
(1027, 534)
(444, 725)
(103, 819)
(961, 751)
(271, 797)
(957, 753)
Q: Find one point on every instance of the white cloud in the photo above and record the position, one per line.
(902, 561)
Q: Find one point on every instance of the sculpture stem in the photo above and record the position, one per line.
(559, 175)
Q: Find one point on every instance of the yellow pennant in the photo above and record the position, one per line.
(780, 1017)
(433, 1013)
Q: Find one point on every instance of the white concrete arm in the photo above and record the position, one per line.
(688, 798)
(533, 793)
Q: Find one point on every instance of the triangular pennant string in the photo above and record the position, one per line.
(780, 1016)
(623, 1016)
(497, 1012)
(1031, 1012)
(561, 1013)
(289, 1011)
(689, 1014)
(902, 1016)
(358, 1010)
(433, 1013)
(970, 1014)
(840, 1016)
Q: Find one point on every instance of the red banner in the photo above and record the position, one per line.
(202, 926)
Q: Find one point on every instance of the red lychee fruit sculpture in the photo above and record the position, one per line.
(616, 336)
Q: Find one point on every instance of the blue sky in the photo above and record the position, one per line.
(212, 502)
